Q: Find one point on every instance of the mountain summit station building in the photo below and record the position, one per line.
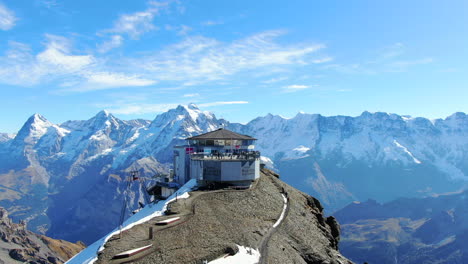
(217, 157)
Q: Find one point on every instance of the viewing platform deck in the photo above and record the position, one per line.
(245, 156)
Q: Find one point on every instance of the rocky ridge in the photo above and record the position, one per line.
(18, 245)
(214, 222)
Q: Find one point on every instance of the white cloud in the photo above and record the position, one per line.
(191, 95)
(275, 80)
(141, 108)
(49, 3)
(389, 59)
(393, 51)
(106, 80)
(135, 24)
(295, 87)
(211, 23)
(403, 64)
(222, 103)
(322, 60)
(114, 42)
(57, 58)
(19, 66)
(181, 30)
(201, 59)
(7, 18)
(193, 61)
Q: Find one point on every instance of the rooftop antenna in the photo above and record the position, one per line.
(221, 124)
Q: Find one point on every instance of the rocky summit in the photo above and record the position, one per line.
(17, 245)
(281, 223)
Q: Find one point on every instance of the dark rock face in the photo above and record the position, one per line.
(409, 231)
(335, 230)
(25, 246)
(214, 222)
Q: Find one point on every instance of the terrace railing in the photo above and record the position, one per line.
(243, 155)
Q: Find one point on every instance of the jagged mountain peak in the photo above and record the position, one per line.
(186, 113)
(457, 116)
(103, 119)
(103, 115)
(192, 106)
(35, 127)
(37, 119)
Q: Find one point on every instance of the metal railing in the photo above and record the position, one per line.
(242, 155)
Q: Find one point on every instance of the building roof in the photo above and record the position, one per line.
(222, 134)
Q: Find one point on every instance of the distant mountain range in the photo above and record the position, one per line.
(406, 230)
(67, 179)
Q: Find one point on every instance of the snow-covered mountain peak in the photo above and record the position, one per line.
(34, 128)
(192, 106)
(191, 110)
(458, 118)
(103, 120)
(457, 115)
(103, 115)
(190, 115)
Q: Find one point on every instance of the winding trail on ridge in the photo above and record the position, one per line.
(263, 247)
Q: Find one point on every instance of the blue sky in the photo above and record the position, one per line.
(239, 59)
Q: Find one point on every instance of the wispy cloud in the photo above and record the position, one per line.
(191, 95)
(7, 18)
(201, 59)
(133, 25)
(108, 80)
(211, 23)
(392, 51)
(295, 88)
(402, 65)
(48, 3)
(115, 41)
(139, 109)
(390, 59)
(142, 108)
(19, 66)
(195, 60)
(322, 60)
(275, 80)
(181, 30)
(222, 103)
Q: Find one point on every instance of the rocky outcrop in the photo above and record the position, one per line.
(19, 244)
(213, 222)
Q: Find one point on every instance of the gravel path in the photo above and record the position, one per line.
(263, 247)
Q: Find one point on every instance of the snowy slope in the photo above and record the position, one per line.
(370, 138)
(89, 255)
